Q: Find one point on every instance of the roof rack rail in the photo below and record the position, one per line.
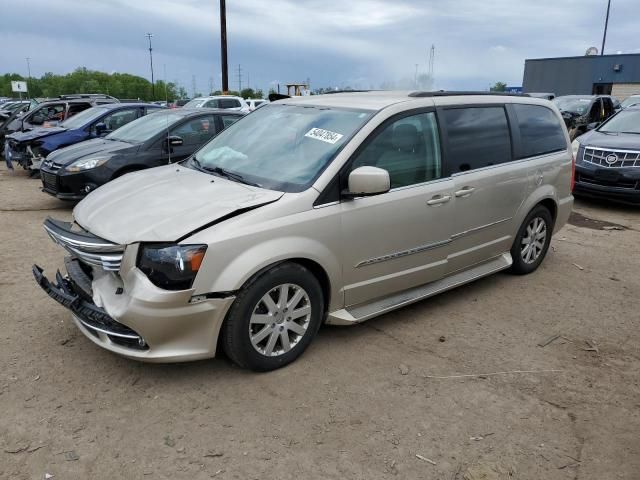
(85, 95)
(444, 93)
(347, 91)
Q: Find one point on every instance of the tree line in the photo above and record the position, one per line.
(119, 85)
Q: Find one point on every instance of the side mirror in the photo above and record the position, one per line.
(101, 129)
(367, 181)
(593, 126)
(174, 141)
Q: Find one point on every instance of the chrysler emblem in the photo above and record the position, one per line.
(611, 159)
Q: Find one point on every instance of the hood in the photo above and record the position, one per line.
(163, 204)
(624, 141)
(70, 154)
(36, 133)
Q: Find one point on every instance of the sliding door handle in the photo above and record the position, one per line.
(439, 199)
(465, 192)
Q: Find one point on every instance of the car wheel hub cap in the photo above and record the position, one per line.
(280, 319)
(533, 240)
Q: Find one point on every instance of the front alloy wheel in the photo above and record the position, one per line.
(274, 317)
(280, 320)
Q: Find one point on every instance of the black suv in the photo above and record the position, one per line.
(608, 159)
(580, 111)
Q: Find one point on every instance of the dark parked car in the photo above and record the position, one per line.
(579, 111)
(30, 148)
(608, 159)
(157, 139)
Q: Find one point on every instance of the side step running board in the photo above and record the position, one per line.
(360, 313)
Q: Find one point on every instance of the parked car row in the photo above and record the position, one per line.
(160, 138)
(319, 209)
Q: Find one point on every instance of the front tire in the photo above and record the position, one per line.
(532, 241)
(274, 318)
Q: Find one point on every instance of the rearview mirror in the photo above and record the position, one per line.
(366, 181)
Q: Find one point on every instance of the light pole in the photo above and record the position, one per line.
(28, 75)
(223, 46)
(153, 88)
(606, 24)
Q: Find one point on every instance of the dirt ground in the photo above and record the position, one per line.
(364, 402)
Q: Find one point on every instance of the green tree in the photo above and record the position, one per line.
(499, 87)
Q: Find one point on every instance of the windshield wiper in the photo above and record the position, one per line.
(227, 174)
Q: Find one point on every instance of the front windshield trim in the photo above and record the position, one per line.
(289, 186)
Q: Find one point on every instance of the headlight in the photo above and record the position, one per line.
(87, 164)
(169, 266)
(575, 146)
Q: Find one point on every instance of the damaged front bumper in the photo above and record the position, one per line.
(92, 319)
(117, 307)
(24, 154)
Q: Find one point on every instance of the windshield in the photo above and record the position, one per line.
(281, 147)
(195, 103)
(79, 120)
(144, 128)
(626, 121)
(573, 104)
(631, 101)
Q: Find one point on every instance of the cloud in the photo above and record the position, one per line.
(334, 42)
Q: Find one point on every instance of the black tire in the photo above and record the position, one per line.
(236, 330)
(520, 264)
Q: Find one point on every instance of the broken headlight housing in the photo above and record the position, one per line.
(170, 266)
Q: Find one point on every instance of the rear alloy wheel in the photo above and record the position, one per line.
(274, 318)
(532, 241)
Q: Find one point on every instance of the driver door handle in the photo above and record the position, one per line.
(439, 199)
(465, 192)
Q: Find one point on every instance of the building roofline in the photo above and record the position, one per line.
(617, 55)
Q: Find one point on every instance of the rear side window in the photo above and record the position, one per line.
(540, 131)
(477, 137)
(229, 103)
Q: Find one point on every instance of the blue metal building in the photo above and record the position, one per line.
(617, 75)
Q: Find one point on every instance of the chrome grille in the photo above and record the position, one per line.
(97, 253)
(610, 158)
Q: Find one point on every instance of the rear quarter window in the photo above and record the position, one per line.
(540, 131)
(476, 137)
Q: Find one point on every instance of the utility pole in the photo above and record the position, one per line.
(223, 46)
(239, 78)
(193, 85)
(606, 24)
(211, 86)
(153, 87)
(28, 75)
(415, 78)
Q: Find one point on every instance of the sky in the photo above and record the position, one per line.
(332, 43)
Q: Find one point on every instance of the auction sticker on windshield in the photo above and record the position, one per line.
(324, 135)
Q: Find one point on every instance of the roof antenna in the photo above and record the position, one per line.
(168, 142)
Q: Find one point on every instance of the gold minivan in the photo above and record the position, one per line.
(332, 208)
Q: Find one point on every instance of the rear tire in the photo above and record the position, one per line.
(274, 318)
(532, 241)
